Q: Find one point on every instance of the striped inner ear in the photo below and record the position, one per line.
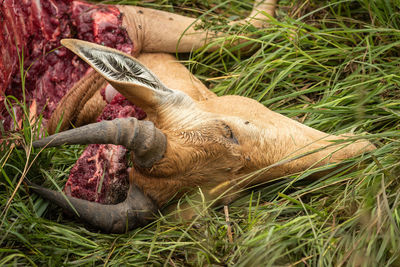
(120, 68)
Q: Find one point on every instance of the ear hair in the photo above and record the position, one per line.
(114, 65)
(121, 68)
(126, 74)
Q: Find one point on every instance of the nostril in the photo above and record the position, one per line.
(246, 122)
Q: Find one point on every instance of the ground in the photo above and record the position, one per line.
(332, 65)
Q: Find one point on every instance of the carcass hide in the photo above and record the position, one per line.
(190, 139)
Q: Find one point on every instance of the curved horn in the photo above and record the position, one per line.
(146, 141)
(137, 209)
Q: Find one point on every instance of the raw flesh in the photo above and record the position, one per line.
(101, 172)
(30, 34)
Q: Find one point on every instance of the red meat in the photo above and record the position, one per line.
(30, 34)
(101, 172)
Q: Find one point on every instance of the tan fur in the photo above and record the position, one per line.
(159, 31)
(91, 110)
(215, 143)
(199, 152)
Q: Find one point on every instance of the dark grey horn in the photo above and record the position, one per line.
(146, 141)
(137, 210)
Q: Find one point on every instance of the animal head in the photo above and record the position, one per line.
(186, 143)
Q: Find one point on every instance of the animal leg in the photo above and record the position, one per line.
(257, 16)
(175, 33)
(72, 105)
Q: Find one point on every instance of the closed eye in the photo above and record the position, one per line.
(230, 135)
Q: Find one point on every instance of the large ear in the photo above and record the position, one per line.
(131, 78)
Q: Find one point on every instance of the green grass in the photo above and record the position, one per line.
(332, 65)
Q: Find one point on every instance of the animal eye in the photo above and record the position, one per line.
(230, 135)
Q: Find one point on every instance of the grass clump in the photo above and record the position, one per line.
(332, 65)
